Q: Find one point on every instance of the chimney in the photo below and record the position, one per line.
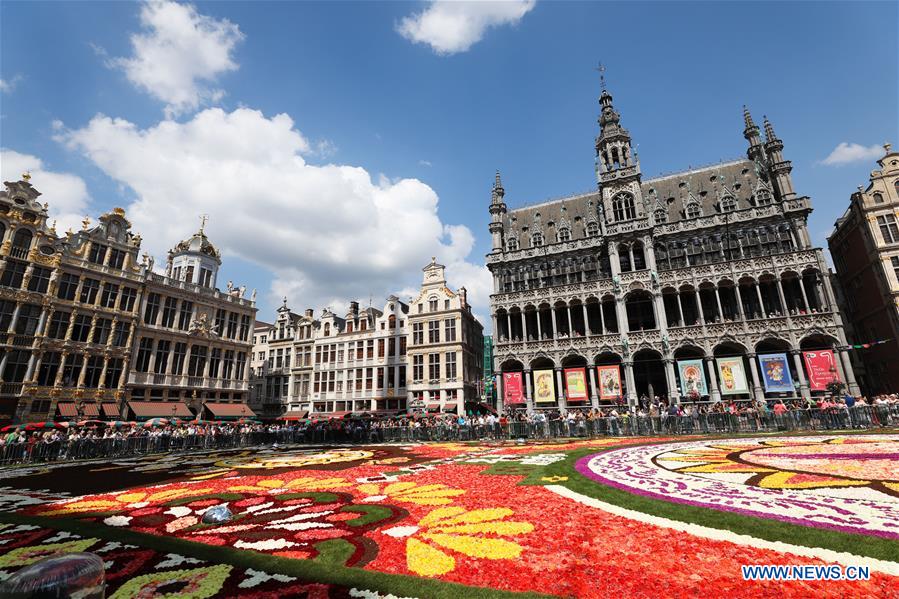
(354, 308)
(464, 293)
(309, 313)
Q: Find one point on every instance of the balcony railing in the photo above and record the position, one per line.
(180, 380)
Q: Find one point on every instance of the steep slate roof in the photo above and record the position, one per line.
(737, 178)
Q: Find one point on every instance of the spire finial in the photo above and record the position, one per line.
(769, 130)
(887, 147)
(203, 219)
(85, 223)
(602, 76)
(26, 176)
(747, 118)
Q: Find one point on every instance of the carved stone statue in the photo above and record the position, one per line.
(253, 296)
(203, 326)
(655, 279)
(243, 291)
(666, 345)
(230, 286)
(616, 283)
(625, 346)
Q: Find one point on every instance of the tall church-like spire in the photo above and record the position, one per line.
(614, 157)
(780, 167)
(751, 132)
(497, 211)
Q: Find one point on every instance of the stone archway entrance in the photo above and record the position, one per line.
(649, 375)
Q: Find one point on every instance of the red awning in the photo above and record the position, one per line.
(433, 407)
(111, 410)
(450, 407)
(159, 409)
(228, 410)
(67, 409)
(296, 415)
(91, 409)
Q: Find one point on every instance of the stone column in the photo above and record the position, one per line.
(673, 390)
(508, 325)
(63, 358)
(528, 398)
(718, 303)
(152, 364)
(587, 330)
(661, 316)
(602, 317)
(782, 298)
(740, 310)
(560, 391)
(83, 373)
(102, 382)
(33, 361)
(524, 328)
(800, 371)
(552, 312)
(631, 384)
(495, 326)
(499, 392)
(680, 310)
(758, 391)
(699, 305)
(539, 327)
(90, 332)
(758, 292)
(570, 323)
(850, 374)
(804, 295)
(630, 252)
(621, 314)
(14, 318)
(713, 379)
(594, 396)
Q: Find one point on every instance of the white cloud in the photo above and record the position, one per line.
(330, 233)
(8, 85)
(179, 55)
(424, 163)
(65, 193)
(451, 26)
(846, 153)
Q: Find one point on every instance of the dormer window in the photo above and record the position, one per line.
(536, 240)
(693, 211)
(878, 198)
(728, 204)
(660, 215)
(564, 234)
(432, 304)
(512, 244)
(763, 197)
(592, 229)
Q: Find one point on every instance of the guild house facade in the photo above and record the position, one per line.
(88, 330)
(703, 284)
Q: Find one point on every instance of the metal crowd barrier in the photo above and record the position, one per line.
(38, 450)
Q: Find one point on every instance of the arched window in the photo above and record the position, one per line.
(363, 325)
(21, 243)
(327, 329)
(592, 229)
(564, 234)
(878, 198)
(349, 326)
(623, 207)
(661, 216)
(512, 244)
(763, 197)
(536, 239)
(391, 321)
(432, 304)
(693, 211)
(728, 204)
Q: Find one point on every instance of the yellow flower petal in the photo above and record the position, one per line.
(427, 561)
(369, 489)
(439, 514)
(176, 493)
(477, 546)
(307, 482)
(131, 497)
(271, 483)
(475, 516)
(397, 487)
(499, 528)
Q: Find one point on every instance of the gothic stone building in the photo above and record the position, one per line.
(710, 262)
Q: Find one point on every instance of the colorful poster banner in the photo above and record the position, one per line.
(776, 373)
(609, 381)
(512, 392)
(731, 376)
(544, 386)
(821, 368)
(576, 384)
(692, 377)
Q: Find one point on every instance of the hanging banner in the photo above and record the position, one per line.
(512, 393)
(821, 368)
(692, 377)
(576, 384)
(732, 376)
(609, 381)
(544, 386)
(776, 373)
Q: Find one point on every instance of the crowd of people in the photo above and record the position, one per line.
(650, 416)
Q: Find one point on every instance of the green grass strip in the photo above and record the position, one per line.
(307, 570)
(762, 528)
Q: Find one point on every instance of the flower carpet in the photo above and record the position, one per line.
(635, 517)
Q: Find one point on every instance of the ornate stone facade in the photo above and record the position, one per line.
(711, 262)
(73, 317)
(865, 249)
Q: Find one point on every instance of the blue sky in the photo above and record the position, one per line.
(338, 146)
